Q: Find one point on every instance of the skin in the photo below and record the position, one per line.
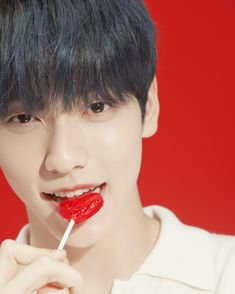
(72, 149)
(32, 261)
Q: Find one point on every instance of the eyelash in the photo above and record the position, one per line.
(11, 119)
(103, 104)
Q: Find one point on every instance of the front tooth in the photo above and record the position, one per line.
(70, 194)
(85, 190)
(78, 192)
(60, 194)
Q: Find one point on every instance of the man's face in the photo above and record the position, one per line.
(100, 145)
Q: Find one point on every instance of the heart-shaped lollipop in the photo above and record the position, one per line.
(81, 208)
(77, 210)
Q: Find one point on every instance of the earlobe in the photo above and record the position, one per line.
(150, 122)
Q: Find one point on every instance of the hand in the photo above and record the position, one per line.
(25, 269)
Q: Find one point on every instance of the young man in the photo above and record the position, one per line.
(78, 94)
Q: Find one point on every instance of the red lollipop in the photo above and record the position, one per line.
(81, 208)
(77, 210)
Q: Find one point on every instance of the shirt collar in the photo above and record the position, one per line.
(182, 253)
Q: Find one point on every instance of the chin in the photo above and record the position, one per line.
(86, 236)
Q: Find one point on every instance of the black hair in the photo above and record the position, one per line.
(72, 50)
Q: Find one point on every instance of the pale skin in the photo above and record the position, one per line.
(67, 150)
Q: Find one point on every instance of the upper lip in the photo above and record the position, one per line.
(74, 188)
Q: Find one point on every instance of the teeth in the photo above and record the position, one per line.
(76, 193)
(80, 192)
(60, 194)
(70, 194)
(86, 190)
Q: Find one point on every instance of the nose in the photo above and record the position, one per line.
(66, 150)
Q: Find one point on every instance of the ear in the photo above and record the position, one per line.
(150, 122)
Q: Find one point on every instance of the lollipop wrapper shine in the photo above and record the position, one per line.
(81, 208)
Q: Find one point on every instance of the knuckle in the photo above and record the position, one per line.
(7, 244)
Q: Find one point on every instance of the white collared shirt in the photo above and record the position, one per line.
(185, 260)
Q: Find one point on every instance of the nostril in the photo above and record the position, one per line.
(65, 153)
(62, 165)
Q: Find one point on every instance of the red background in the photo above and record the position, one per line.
(189, 165)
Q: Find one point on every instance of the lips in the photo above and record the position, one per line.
(77, 207)
(67, 193)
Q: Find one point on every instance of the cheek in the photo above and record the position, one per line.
(18, 161)
(125, 153)
(121, 152)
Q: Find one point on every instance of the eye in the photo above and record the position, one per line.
(22, 118)
(97, 107)
(100, 111)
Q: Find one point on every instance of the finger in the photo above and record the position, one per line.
(51, 288)
(43, 271)
(12, 254)
(24, 254)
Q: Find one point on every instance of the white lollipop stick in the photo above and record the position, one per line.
(66, 234)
